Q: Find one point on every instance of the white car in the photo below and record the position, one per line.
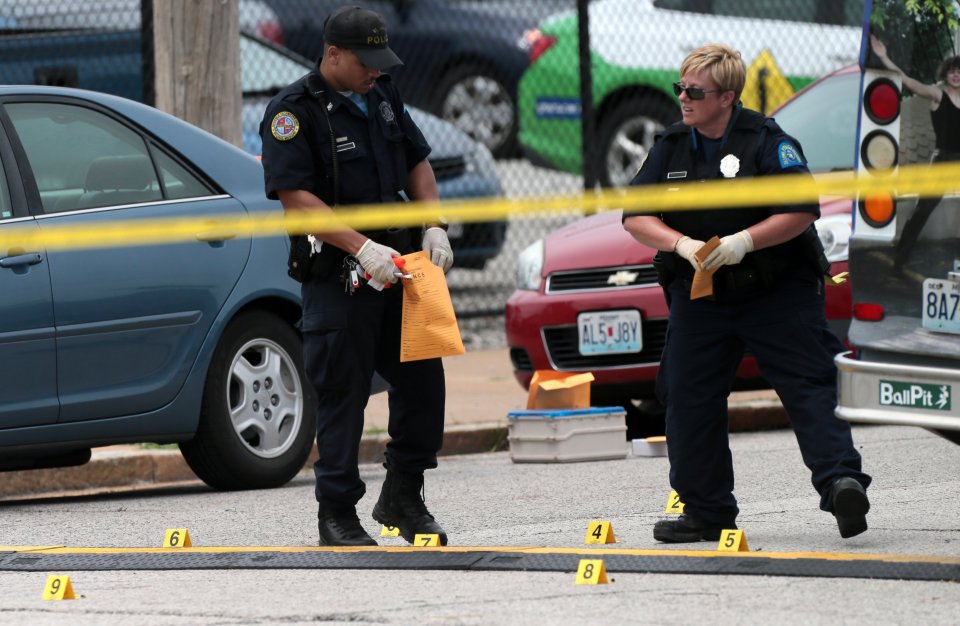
(256, 16)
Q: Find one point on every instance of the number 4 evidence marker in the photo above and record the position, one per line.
(600, 532)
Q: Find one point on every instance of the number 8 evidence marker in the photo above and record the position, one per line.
(591, 572)
(600, 532)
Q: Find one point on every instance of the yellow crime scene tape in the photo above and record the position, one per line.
(922, 180)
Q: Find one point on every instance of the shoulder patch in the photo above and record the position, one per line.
(284, 126)
(386, 111)
(788, 155)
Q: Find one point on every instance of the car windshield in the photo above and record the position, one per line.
(265, 70)
(824, 121)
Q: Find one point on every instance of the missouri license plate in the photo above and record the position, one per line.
(609, 332)
(941, 305)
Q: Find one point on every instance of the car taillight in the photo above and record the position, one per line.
(867, 312)
(271, 31)
(538, 43)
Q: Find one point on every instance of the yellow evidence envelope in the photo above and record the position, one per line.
(429, 329)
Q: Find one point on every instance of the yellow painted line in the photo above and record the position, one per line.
(828, 556)
(927, 180)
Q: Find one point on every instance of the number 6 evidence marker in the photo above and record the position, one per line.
(177, 538)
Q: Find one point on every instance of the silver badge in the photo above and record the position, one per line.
(386, 111)
(729, 166)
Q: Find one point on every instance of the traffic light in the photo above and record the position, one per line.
(879, 149)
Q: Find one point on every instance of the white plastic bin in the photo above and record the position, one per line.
(567, 435)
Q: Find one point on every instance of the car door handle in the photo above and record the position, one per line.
(31, 258)
(216, 232)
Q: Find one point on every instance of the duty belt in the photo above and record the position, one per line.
(732, 279)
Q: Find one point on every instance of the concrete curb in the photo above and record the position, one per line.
(142, 468)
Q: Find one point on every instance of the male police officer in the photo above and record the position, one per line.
(341, 135)
(768, 298)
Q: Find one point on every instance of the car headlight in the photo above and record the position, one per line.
(529, 266)
(834, 232)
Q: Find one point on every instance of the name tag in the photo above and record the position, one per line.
(676, 175)
(346, 146)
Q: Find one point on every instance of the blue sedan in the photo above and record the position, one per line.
(190, 342)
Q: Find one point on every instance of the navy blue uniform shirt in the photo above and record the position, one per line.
(778, 153)
(375, 150)
(752, 145)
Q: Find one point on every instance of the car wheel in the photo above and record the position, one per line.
(257, 418)
(471, 98)
(626, 132)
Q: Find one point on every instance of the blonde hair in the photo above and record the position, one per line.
(724, 64)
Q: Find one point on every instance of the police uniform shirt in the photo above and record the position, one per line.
(777, 154)
(375, 150)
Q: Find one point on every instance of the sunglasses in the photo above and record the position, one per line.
(694, 93)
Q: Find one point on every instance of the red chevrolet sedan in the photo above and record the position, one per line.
(587, 297)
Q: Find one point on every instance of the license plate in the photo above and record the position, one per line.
(609, 332)
(941, 305)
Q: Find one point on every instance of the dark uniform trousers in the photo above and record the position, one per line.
(346, 338)
(786, 330)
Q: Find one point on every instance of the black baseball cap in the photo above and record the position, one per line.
(362, 32)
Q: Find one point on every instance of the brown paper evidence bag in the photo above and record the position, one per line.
(429, 328)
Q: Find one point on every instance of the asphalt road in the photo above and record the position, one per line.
(486, 500)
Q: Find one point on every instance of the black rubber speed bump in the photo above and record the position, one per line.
(800, 564)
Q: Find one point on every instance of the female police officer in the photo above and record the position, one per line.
(768, 298)
(341, 135)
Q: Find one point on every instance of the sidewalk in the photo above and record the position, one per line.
(481, 390)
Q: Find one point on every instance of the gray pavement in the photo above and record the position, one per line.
(487, 500)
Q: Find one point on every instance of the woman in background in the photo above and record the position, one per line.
(944, 100)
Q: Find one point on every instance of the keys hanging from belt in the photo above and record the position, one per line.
(351, 274)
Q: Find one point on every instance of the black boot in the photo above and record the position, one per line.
(688, 529)
(401, 506)
(340, 526)
(850, 506)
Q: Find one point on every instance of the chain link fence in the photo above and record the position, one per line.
(506, 74)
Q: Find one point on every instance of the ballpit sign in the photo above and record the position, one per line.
(915, 395)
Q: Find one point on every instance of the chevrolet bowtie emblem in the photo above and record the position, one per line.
(622, 278)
